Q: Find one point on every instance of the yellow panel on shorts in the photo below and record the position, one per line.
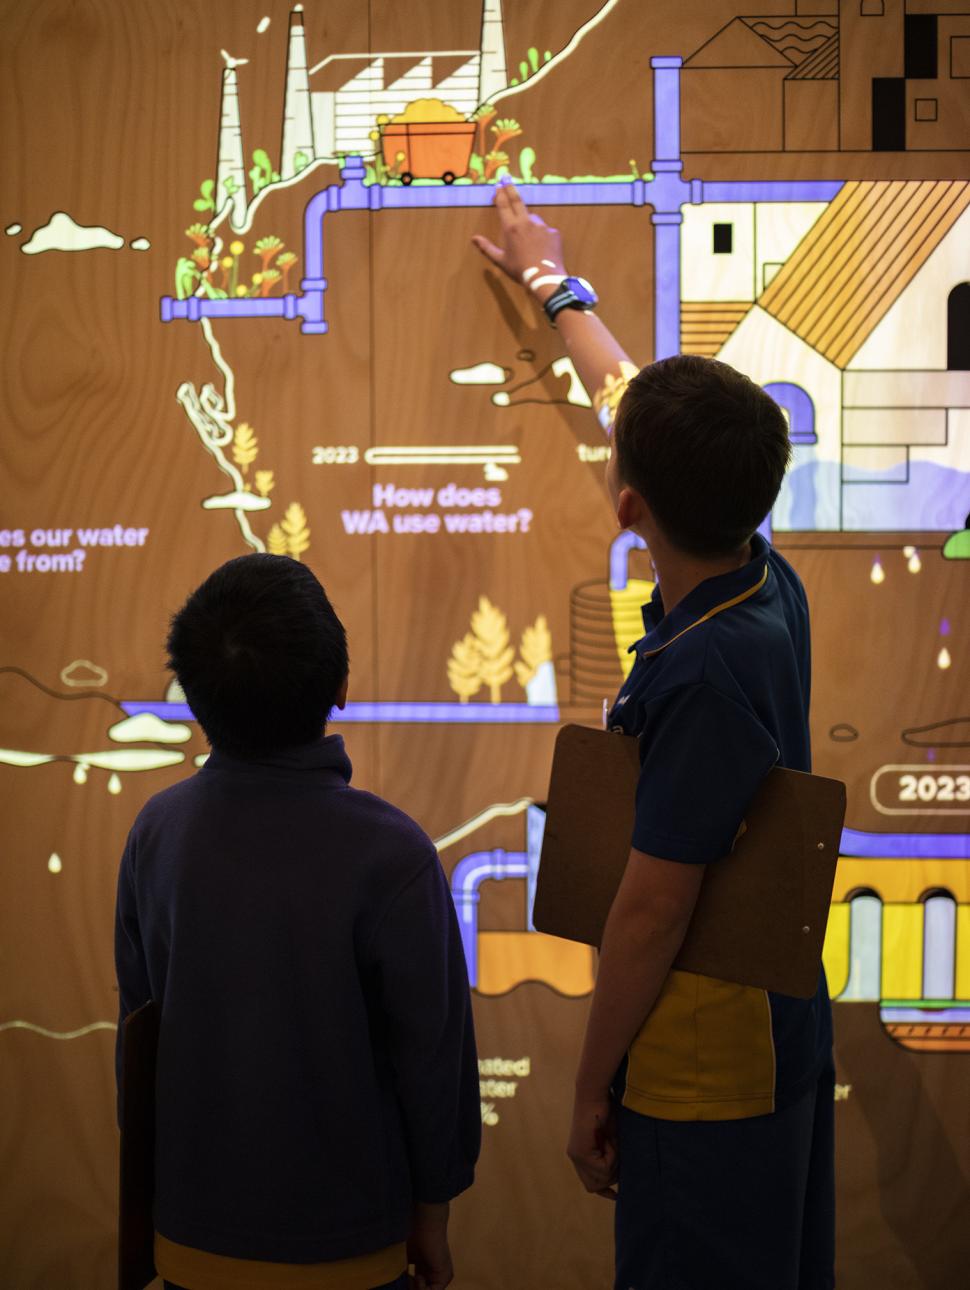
(704, 1053)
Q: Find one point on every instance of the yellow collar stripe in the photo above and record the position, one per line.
(728, 604)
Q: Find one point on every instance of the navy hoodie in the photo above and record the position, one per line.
(317, 1070)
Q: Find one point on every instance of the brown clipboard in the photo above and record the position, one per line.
(136, 1227)
(762, 911)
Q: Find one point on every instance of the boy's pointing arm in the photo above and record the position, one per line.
(527, 242)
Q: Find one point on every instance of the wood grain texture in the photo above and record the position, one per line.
(111, 114)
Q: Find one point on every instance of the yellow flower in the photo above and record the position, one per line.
(257, 279)
(226, 261)
(240, 291)
(237, 248)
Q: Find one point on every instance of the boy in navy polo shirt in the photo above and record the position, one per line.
(704, 1108)
(317, 1101)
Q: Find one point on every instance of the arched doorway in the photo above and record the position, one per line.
(796, 505)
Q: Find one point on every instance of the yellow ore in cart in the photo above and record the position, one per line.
(428, 140)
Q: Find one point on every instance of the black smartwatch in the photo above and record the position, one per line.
(572, 293)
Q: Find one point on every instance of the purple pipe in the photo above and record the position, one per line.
(666, 192)
(905, 846)
(770, 190)
(620, 549)
(466, 879)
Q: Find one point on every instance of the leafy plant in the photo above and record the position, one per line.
(270, 279)
(262, 172)
(527, 159)
(296, 530)
(265, 482)
(245, 446)
(482, 116)
(285, 263)
(206, 198)
(464, 668)
(535, 649)
(276, 541)
(300, 161)
(529, 65)
(186, 277)
(493, 163)
(266, 248)
(504, 131)
(490, 628)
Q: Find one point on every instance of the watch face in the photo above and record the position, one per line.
(581, 289)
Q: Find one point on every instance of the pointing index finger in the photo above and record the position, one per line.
(510, 206)
(516, 205)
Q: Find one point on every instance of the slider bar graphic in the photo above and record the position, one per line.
(429, 455)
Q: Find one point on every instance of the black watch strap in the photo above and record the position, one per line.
(572, 293)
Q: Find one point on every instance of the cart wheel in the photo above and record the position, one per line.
(407, 178)
(448, 177)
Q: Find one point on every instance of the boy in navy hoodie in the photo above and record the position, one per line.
(317, 1101)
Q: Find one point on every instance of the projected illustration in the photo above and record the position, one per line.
(253, 320)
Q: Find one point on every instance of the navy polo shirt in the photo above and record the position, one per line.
(718, 695)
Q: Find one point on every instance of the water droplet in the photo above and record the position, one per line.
(943, 658)
(944, 626)
(931, 754)
(114, 784)
(80, 773)
(54, 863)
(914, 563)
(908, 551)
(500, 399)
(877, 573)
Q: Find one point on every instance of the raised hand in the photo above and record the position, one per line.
(525, 241)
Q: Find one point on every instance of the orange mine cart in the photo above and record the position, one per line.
(432, 149)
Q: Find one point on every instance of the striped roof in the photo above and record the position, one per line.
(857, 258)
(822, 65)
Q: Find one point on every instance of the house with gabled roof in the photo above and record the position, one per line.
(880, 75)
(863, 335)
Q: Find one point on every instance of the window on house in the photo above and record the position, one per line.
(865, 946)
(919, 46)
(926, 109)
(958, 328)
(888, 114)
(723, 239)
(939, 944)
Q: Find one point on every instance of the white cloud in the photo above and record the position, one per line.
(146, 726)
(61, 233)
(480, 374)
(237, 501)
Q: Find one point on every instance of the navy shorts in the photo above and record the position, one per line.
(745, 1204)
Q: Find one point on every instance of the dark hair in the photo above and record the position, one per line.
(260, 654)
(705, 448)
